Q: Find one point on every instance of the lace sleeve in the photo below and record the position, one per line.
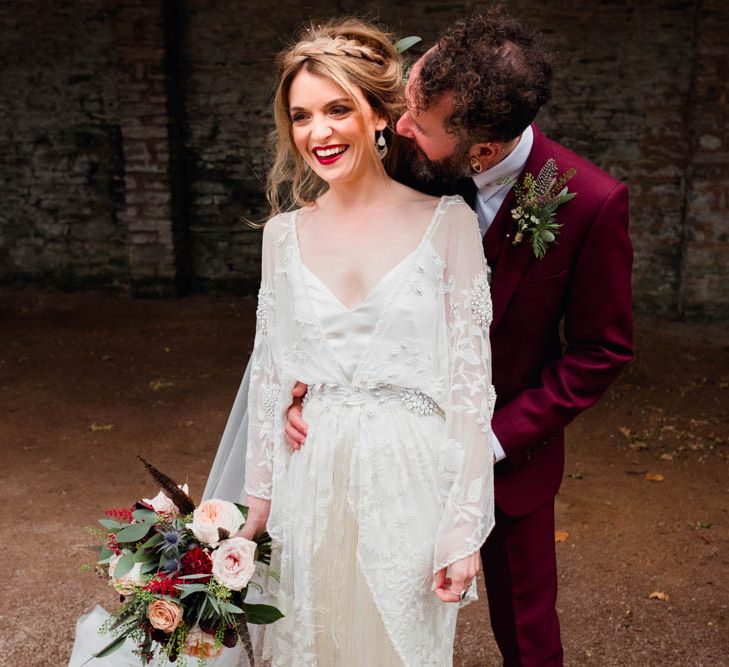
(469, 511)
(265, 389)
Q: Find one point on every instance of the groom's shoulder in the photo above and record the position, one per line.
(591, 179)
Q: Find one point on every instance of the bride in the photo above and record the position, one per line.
(376, 297)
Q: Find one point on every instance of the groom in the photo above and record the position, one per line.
(471, 104)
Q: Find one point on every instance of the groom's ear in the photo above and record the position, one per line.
(488, 153)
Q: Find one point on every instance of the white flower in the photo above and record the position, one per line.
(233, 563)
(162, 504)
(126, 584)
(211, 515)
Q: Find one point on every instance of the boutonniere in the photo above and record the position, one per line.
(537, 200)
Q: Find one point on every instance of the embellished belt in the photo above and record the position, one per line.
(413, 399)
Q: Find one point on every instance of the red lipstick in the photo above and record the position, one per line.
(329, 154)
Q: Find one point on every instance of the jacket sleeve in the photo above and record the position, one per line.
(598, 331)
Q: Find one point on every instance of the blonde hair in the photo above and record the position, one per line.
(354, 55)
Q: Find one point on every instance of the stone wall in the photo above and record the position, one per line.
(641, 91)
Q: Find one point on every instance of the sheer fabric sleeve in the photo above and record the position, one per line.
(469, 511)
(265, 388)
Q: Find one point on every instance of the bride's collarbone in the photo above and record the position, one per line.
(401, 228)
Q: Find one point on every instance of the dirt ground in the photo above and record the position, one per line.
(89, 381)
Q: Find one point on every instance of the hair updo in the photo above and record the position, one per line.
(354, 55)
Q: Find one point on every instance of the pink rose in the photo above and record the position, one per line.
(199, 644)
(233, 564)
(164, 615)
(211, 515)
(162, 504)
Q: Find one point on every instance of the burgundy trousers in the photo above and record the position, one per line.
(520, 568)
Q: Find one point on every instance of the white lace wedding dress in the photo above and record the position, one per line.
(395, 480)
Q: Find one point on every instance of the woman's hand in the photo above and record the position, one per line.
(462, 572)
(296, 428)
(258, 510)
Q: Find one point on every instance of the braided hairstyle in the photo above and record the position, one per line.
(354, 55)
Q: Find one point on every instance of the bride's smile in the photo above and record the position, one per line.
(329, 154)
(332, 129)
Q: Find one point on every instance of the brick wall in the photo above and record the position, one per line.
(704, 271)
(143, 117)
(61, 181)
(641, 91)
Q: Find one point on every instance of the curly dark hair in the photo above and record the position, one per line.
(499, 71)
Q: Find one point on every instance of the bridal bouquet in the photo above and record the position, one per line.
(182, 578)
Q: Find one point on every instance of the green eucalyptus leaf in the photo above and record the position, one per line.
(124, 566)
(189, 589)
(132, 533)
(142, 556)
(146, 516)
(227, 606)
(150, 566)
(406, 43)
(110, 524)
(152, 541)
(105, 554)
(262, 614)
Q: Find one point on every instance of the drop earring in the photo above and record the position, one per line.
(380, 144)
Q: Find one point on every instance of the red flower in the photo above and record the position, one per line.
(123, 514)
(112, 545)
(197, 561)
(163, 585)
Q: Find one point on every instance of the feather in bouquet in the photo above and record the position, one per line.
(182, 578)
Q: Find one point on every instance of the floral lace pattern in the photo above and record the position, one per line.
(264, 311)
(420, 478)
(481, 306)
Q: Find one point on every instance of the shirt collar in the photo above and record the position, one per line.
(510, 167)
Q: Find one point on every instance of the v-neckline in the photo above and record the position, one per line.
(361, 305)
(383, 279)
(381, 316)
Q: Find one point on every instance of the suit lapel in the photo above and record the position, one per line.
(515, 260)
(495, 239)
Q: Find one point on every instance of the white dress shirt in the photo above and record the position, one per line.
(493, 186)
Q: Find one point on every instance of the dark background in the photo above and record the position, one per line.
(133, 134)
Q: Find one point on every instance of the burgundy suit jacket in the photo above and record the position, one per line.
(543, 380)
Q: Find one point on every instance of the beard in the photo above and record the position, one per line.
(450, 169)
